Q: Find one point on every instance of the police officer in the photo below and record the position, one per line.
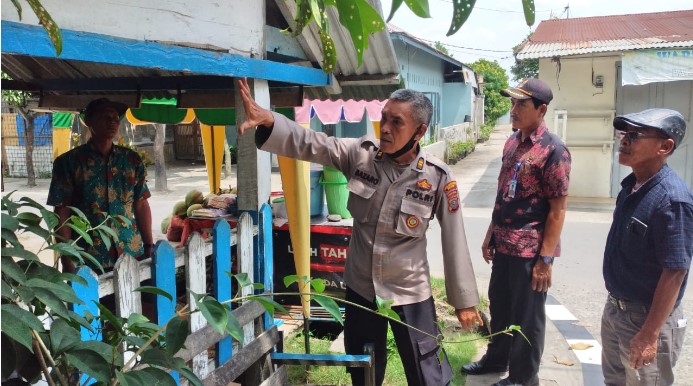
(395, 189)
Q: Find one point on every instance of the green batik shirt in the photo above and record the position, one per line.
(85, 179)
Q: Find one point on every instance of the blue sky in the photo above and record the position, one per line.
(495, 26)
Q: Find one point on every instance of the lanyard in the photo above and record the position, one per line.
(512, 185)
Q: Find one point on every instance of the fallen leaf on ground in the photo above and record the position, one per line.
(563, 362)
(580, 346)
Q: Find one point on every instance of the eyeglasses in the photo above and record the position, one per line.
(635, 135)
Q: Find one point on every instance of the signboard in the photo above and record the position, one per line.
(649, 66)
(328, 252)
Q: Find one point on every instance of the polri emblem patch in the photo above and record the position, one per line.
(379, 154)
(420, 163)
(412, 222)
(452, 195)
(424, 184)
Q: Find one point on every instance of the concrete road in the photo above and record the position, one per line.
(578, 282)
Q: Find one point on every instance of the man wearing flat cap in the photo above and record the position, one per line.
(101, 178)
(647, 255)
(524, 236)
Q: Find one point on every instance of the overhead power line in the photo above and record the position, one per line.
(464, 48)
(507, 10)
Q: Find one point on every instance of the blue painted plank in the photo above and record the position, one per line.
(164, 277)
(265, 256)
(24, 39)
(334, 359)
(221, 251)
(90, 295)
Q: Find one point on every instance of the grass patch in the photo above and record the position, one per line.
(460, 346)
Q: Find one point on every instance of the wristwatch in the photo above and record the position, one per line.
(547, 259)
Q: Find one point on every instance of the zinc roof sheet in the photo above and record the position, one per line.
(565, 37)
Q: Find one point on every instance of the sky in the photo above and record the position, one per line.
(496, 26)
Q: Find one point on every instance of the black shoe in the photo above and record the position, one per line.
(534, 381)
(482, 367)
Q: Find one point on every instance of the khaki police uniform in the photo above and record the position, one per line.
(391, 206)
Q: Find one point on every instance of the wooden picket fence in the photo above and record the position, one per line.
(254, 257)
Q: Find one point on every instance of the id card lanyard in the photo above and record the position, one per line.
(512, 185)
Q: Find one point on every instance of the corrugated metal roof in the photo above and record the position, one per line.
(378, 75)
(564, 37)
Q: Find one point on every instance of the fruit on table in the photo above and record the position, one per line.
(180, 209)
(193, 207)
(165, 223)
(193, 197)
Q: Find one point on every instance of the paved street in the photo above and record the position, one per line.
(577, 284)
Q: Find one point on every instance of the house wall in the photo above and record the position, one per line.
(227, 25)
(457, 102)
(588, 130)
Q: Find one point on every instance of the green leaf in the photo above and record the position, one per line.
(82, 233)
(11, 270)
(20, 253)
(290, 279)
(17, 323)
(104, 237)
(395, 6)
(109, 353)
(270, 305)
(94, 263)
(303, 17)
(9, 222)
(63, 291)
(65, 249)
(71, 277)
(125, 221)
(318, 285)
(235, 329)
(25, 293)
(63, 336)
(190, 376)
(461, 9)
(330, 306)
(51, 219)
(39, 231)
(107, 315)
(53, 302)
(6, 290)
(78, 320)
(419, 7)
(162, 378)
(90, 363)
(80, 216)
(8, 236)
(18, 7)
(528, 8)
(385, 307)
(216, 313)
(108, 230)
(29, 218)
(329, 52)
(176, 333)
(150, 376)
(156, 357)
(155, 291)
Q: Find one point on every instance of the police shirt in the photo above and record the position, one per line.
(391, 205)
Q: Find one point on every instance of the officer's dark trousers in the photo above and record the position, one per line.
(513, 302)
(419, 352)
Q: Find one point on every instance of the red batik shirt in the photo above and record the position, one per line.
(541, 166)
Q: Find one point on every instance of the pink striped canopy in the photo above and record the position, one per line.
(331, 112)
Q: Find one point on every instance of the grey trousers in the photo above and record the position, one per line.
(619, 327)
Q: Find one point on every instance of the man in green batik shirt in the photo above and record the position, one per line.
(101, 179)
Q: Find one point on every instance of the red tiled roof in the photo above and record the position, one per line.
(610, 33)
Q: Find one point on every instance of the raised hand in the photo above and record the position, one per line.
(254, 114)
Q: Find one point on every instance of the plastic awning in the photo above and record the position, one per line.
(331, 112)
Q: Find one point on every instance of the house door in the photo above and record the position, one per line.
(671, 95)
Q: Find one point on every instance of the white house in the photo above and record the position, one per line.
(599, 67)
